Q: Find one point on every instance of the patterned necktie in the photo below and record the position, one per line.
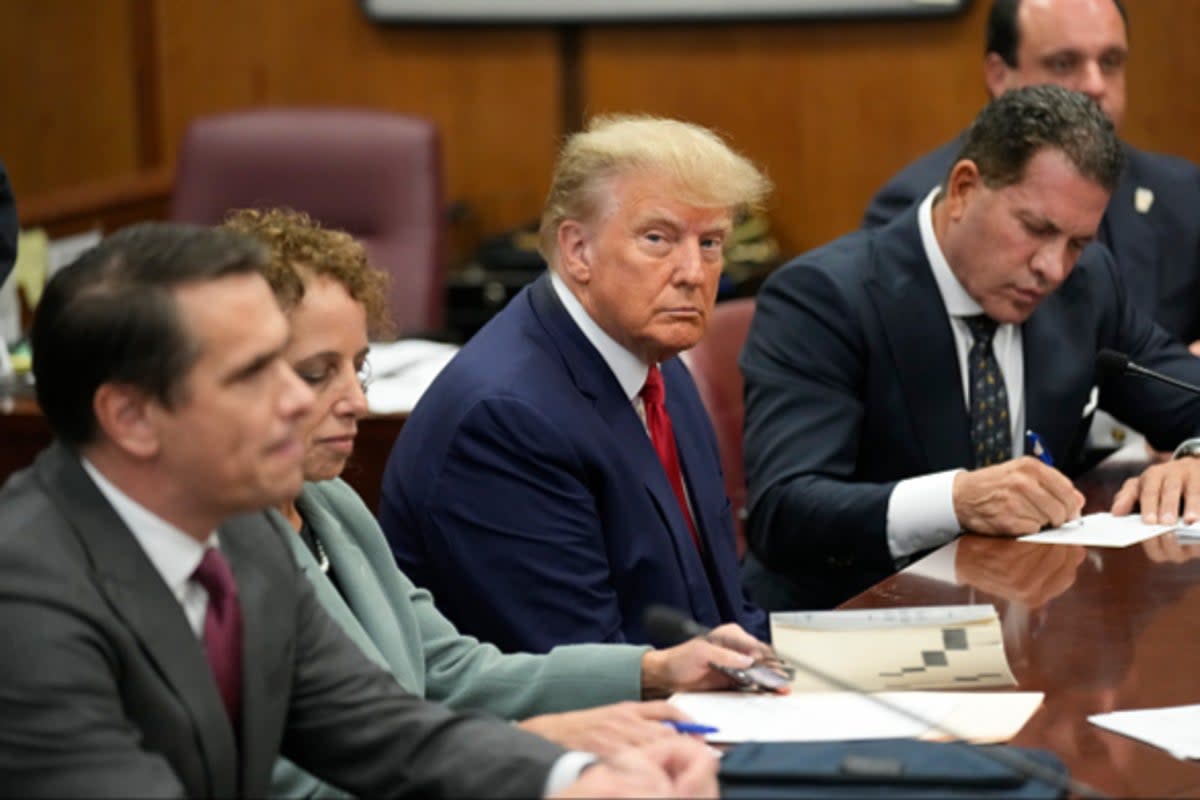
(663, 437)
(991, 429)
(222, 628)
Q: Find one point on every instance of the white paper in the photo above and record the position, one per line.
(832, 716)
(1175, 729)
(1100, 530)
(1189, 534)
(402, 371)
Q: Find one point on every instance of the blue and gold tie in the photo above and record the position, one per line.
(991, 429)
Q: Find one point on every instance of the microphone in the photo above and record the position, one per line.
(1111, 362)
(668, 627)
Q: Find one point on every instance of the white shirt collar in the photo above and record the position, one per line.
(958, 303)
(628, 368)
(172, 552)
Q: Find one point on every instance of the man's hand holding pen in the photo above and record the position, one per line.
(1015, 498)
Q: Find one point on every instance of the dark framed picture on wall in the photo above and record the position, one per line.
(478, 12)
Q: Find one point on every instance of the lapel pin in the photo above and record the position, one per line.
(1143, 198)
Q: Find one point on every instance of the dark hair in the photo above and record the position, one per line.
(111, 316)
(1003, 35)
(1014, 127)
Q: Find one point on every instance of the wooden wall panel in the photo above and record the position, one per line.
(832, 109)
(1164, 70)
(493, 92)
(100, 89)
(66, 79)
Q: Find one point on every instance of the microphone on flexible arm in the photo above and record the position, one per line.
(667, 627)
(1111, 362)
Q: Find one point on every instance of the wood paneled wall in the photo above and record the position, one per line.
(97, 89)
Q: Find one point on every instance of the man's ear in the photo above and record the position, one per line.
(997, 75)
(125, 416)
(961, 185)
(575, 251)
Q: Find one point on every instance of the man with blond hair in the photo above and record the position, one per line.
(561, 474)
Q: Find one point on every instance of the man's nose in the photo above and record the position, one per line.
(1053, 262)
(1092, 81)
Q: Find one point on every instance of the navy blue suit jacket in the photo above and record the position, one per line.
(853, 384)
(524, 492)
(1157, 249)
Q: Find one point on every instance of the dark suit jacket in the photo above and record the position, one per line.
(1157, 250)
(105, 690)
(852, 384)
(525, 494)
(8, 226)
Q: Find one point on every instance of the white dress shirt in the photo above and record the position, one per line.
(628, 369)
(920, 512)
(172, 552)
(176, 555)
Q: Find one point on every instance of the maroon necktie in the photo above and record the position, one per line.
(658, 423)
(222, 628)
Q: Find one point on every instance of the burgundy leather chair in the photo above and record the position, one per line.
(375, 174)
(713, 363)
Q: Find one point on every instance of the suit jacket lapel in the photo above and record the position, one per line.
(140, 597)
(917, 331)
(266, 665)
(595, 380)
(1058, 370)
(346, 558)
(707, 493)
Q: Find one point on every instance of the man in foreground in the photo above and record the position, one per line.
(161, 640)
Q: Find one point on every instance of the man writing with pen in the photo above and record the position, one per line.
(896, 379)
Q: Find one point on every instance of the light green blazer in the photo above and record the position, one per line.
(397, 625)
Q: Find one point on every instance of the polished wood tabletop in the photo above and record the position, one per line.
(1096, 629)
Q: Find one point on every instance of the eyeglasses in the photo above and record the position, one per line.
(364, 375)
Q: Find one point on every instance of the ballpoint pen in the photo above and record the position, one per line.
(689, 727)
(1035, 447)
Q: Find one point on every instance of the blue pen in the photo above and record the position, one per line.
(689, 727)
(1035, 447)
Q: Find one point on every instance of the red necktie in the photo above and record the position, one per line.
(222, 628)
(658, 423)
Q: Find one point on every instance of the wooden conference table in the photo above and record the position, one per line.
(1096, 629)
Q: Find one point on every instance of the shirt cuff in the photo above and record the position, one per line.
(566, 770)
(920, 513)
